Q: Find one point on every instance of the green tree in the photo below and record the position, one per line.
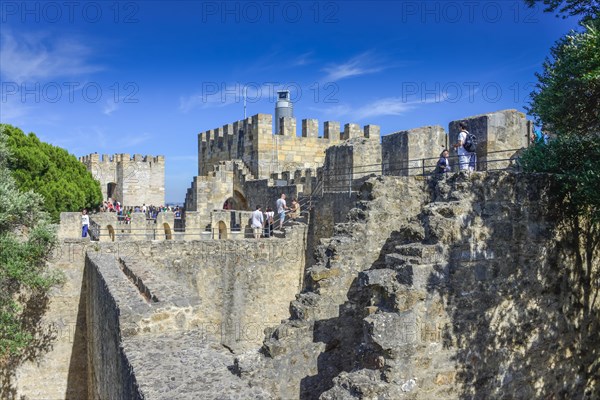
(567, 96)
(574, 162)
(26, 240)
(566, 102)
(64, 182)
(565, 8)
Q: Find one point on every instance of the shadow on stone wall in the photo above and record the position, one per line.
(341, 335)
(78, 364)
(525, 322)
(35, 306)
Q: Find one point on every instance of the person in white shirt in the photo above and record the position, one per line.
(464, 157)
(85, 223)
(258, 222)
(281, 207)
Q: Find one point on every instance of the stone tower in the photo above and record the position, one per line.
(130, 180)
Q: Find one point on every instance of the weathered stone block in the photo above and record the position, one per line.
(351, 131)
(310, 128)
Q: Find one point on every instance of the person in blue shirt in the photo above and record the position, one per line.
(443, 165)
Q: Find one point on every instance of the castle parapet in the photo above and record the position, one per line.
(131, 180)
(262, 124)
(372, 131)
(252, 141)
(351, 131)
(331, 130)
(288, 126)
(310, 128)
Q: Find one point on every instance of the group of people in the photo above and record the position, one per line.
(124, 213)
(465, 146)
(539, 137)
(263, 223)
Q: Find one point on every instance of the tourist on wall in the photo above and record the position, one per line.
(294, 210)
(85, 223)
(258, 222)
(443, 164)
(545, 136)
(466, 146)
(270, 219)
(281, 208)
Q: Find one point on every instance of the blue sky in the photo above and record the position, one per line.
(147, 77)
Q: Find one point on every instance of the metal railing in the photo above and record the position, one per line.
(342, 179)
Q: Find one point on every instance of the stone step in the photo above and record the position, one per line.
(313, 306)
(395, 260)
(426, 253)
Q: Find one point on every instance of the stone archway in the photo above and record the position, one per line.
(111, 188)
(222, 230)
(168, 234)
(238, 201)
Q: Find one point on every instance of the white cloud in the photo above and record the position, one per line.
(30, 57)
(109, 107)
(365, 63)
(12, 109)
(382, 107)
(134, 139)
(215, 94)
(385, 106)
(303, 59)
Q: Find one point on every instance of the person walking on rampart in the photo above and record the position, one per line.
(294, 210)
(466, 149)
(258, 222)
(281, 208)
(270, 217)
(85, 223)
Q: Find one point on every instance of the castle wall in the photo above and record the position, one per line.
(259, 193)
(70, 225)
(348, 164)
(229, 142)
(207, 193)
(245, 285)
(499, 135)
(103, 168)
(252, 140)
(133, 180)
(109, 370)
(59, 369)
(407, 152)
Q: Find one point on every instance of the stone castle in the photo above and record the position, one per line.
(395, 284)
(132, 181)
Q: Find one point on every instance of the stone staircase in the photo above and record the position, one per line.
(325, 329)
(405, 323)
(365, 329)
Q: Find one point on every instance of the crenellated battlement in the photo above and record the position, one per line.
(131, 179)
(262, 124)
(253, 141)
(122, 157)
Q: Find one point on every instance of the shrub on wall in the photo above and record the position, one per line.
(574, 161)
(26, 240)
